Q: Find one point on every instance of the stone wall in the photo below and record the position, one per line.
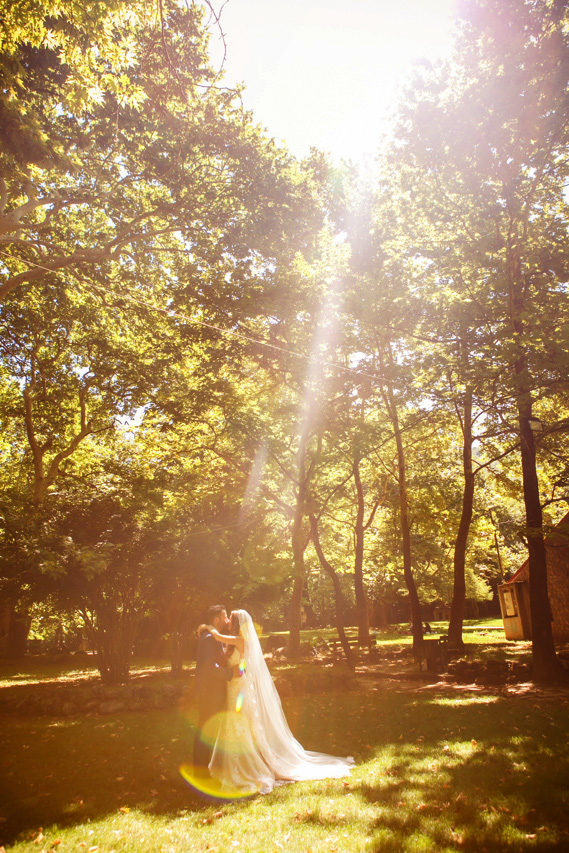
(67, 700)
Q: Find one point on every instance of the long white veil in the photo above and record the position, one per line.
(274, 739)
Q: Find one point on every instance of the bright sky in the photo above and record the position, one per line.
(325, 72)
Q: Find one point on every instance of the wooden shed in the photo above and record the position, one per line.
(514, 595)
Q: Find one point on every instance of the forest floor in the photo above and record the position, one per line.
(440, 766)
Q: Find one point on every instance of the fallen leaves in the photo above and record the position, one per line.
(211, 818)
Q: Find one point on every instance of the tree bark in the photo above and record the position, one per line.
(415, 606)
(338, 594)
(545, 664)
(459, 588)
(298, 548)
(299, 541)
(546, 667)
(361, 598)
(112, 635)
(178, 635)
(15, 630)
(176, 653)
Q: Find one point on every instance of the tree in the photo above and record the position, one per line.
(487, 135)
(338, 594)
(144, 220)
(153, 157)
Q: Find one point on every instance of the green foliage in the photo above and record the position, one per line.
(203, 341)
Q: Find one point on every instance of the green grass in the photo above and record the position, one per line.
(436, 770)
(492, 628)
(37, 669)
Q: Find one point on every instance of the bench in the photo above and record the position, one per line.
(430, 651)
(449, 648)
(336, 644)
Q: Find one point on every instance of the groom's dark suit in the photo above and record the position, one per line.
(212, 676)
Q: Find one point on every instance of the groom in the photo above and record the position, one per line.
(212, 676)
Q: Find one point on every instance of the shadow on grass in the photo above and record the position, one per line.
(68, 771)
(475, 773)
(434, 772)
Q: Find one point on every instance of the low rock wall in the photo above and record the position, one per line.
(492, 672)
(68, 700)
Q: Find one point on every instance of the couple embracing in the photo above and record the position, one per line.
(243, 739)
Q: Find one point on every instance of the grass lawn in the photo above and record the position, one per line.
(35, 670)
(438, 768)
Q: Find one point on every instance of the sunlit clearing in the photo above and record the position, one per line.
(463, 700)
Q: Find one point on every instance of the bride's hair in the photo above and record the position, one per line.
(234, 619)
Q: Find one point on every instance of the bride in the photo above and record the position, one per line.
(255, 748)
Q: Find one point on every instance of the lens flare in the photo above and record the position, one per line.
(226, 731)
(229, 732)
(239, 702)
(209, 787)
(242, 666)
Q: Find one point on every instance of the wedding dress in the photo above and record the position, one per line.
(255, 749)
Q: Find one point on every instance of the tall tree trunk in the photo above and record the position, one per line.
(361, 599)
(545, 664)
(415, 606)
(176, 626)
(298, 548)
(338, 595)
(177, 638)
(14, 631)
(459, 588)
(111, 634)
(299, 541)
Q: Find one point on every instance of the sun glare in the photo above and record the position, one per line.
(326, 74)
